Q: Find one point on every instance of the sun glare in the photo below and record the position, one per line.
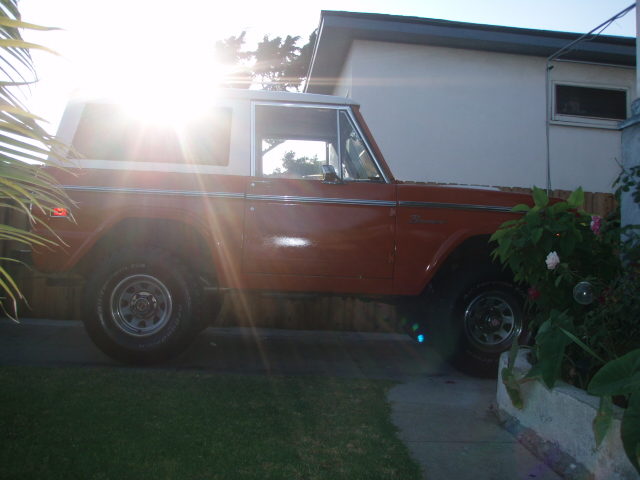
(169, 90)
(158, 110)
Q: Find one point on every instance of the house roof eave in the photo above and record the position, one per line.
(338, 30)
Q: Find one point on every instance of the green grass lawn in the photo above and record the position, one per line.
(117, 424)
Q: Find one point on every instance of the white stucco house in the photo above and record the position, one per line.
(452, 102)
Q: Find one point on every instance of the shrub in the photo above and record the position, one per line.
(584, 291)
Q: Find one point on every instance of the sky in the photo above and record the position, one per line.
(154, 49)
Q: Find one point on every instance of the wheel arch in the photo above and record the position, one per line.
(473, 252)
(180, 238)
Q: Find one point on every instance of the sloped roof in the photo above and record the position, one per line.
(338, 30)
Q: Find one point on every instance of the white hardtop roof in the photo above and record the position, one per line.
(245, 94)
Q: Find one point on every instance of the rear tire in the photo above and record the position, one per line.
(141, 306)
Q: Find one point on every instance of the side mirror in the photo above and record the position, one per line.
(330, 176)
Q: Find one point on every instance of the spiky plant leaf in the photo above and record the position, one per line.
(25, 146)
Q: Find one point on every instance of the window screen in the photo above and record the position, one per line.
(108, 132)
(605, 103)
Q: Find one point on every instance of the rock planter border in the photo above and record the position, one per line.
(563, 417)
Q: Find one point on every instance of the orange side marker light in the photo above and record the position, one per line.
(59, 212)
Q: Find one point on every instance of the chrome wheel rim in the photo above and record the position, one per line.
(141, 305)
(491, 322)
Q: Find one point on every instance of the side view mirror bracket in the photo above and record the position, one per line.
(330, 176)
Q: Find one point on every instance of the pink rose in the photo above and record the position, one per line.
(552, 261)
(533, 293)
(596, 223)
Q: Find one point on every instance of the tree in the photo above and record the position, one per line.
(298, 69)
(301, 166)
(25, 146)
(279, 64)
(229, 55)
(272, 58)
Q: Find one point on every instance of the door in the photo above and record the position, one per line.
(296, 223)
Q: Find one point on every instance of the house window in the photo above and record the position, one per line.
(595, 106)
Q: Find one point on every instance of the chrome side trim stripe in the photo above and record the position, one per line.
(140, 191)
(340, 201)
(456, 206)
(287, 198)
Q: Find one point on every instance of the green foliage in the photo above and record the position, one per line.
(25, 146)
(550, 249)
(510, 381)
(551, 343)
(627, 182)
(630, 430)
(603, 419)
(299, 167)
(553, 247)
(229, 54)
(278, 63)
(622, 377)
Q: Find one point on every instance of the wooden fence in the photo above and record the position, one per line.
(47, 296)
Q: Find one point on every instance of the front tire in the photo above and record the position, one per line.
(476, 321)
(140, 306)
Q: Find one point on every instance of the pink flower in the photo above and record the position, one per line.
(533, 293)
(602, 299)
(552, 261)
(596, 223)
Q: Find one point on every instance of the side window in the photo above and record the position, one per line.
(294, 142)
(109, 132)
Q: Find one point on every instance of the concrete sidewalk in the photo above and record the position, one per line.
(444, 417)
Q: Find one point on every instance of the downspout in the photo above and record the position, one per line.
(555, 56)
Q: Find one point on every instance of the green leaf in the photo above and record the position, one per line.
(535, 372)
(547, 243)
(540, 197)
(551, 345)
(576, 199)
(582, 344)
(567, 243)
(559, 207)
(498, 235)
(603, 419)
(536, 234)
(513, 354)
(25, 45)
(630, 430)
(513, 388)
(533, 219)
(503, 249)
(7, 22)
(618, 377)
(522, 207)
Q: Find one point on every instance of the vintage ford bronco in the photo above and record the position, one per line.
(270, 191)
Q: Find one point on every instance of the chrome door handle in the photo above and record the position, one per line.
(260, 183)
